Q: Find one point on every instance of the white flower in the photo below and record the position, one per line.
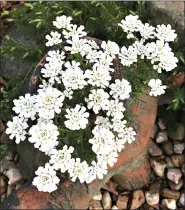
(97, 170)
(61, 159)
(44, 136)
(79, 170)
(52, 70)
(46, 179)
(103, 140)
(44, 85)
(147, 31)
(110, 48)
(128, 135)
(118, 125)
(68, 93)
(110, 158)
(104, 61)
(77, 46)
(74, 30)
(99, 77)
(54, 55)
(130, 24)
(98, 99)
(17, 129)
(73, 77)
(128, 56)
(93, 44)
(115, 109)
(140, 48)
(165, 33)
(77, 118)
(119, 144)
(120, 89)
(91, 55)
(62, 22)
(49, 102)
(156, 87)
(53, 39)
(102, 122)
(24, 106)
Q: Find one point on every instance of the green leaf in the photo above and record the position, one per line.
(35, 21)
(9, 19)
(38, 24)
(25, 55)
(12, 49)
(38, 13)
(59, 12)
(182, 59)
(29, 5)
(5, 13)
(76, 13)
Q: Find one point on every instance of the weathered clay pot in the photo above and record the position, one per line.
(131, 171)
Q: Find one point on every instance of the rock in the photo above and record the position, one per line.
(97, 197)
(6, 165)
(2, 182)
(155, 186)
(174, 175)
(10, 189)
(154, 132)
(168, 12)
(95, 205)
(2, 190)
(154, 150)
(167, 147)
(169, 203)
(138, 199)
(152, 198)
(161, 137)
(174, 186)
(114, 207)
(169, 163)
(178, 160)
(182, 199)
(177, 133)
(183, 168)
(167, 193)
(106, 200)
(4, 139)
(11, 68)
(157, 158)
(2, 126)
(122, 202)
(159, 167)
(3, 197)
(148, 207)
(161, 124)
(178, 147)
(13, 175)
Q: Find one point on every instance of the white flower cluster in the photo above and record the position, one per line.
(106, 98)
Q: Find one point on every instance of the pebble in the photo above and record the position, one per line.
(152, 198)
(97, 197)
(174, 186)
(106, 200)
(155, 186)
(161, 124)
(4, 138)
(2, 182)
(183, 168)
(18, 186)
(3, 197)
(122, 201)
(138, 199)
(167, 148)
(169, 203)
(169, 163)
(167, 193)
(95, 205)
(174, 174)
(114, 207)
(154, 150)
(13, 175)
(10, 156)
(182, 199)
(2, 190)
(154, 132)
(178, 147)
(178, 160)
(6, 165)
(10, 189)
(161, 137)
(159, 167)
(178, 133)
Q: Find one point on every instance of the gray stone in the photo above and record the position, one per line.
(169, 163)
(178, 147)
(154, 150)
(169, 203)
(169, 12)
(167, 147)
(161, 137)
(177, 186)
(161, 124)
(174, 174)
(177, 133)
(182, 199)
(11, 67)
(167, 193)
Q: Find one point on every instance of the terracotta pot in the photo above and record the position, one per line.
(131, 171)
